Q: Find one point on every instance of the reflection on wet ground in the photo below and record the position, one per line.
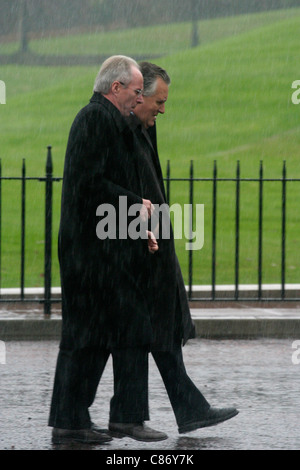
(257, 376)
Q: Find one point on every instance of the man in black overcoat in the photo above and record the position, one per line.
(105, 280)
(170, 318)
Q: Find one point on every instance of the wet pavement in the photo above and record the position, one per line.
(261, 377)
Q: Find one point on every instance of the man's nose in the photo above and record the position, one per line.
(162, 108)
(140, 99)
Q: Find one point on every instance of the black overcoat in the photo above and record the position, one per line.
(107, 286)
(171, 312)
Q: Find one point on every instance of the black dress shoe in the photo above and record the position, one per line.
(87, 436)
(137, 431)
(210, 418)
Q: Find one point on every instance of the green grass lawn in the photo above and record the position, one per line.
(230, 99)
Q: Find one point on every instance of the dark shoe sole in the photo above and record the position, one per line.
(69, 440)
(77, 439)
(205, 423)
(120, 435)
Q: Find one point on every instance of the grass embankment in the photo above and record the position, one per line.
(230, 100)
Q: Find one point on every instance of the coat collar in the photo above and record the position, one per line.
(136, 124)
(149, 135)
(115, 113)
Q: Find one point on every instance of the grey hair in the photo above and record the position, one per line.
(151, 73)
(118, 67)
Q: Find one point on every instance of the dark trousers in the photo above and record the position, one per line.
(78, 374)
(187, 401)
(76, 381)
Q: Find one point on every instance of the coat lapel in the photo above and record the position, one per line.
(150, 136)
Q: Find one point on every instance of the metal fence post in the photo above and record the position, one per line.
(214, 232)
(23, 229)
(283, 233)
(0, 226)
(48, 233)
(191, 208)
(260, 230)
(237, 231)
(168, 182)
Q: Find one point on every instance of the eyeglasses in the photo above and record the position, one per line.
(138, 91)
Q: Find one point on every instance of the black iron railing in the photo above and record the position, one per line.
(215, 180)
(47, 298)
(48, 179)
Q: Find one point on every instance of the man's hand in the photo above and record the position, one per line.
(145, 213)
(152, 243)
(147, 210)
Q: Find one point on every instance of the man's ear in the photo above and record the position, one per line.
(115, 87)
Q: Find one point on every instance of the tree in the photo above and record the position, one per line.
(195, 15)
(23, 27)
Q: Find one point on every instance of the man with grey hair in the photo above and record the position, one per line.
(171, 314)
(105, 295)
